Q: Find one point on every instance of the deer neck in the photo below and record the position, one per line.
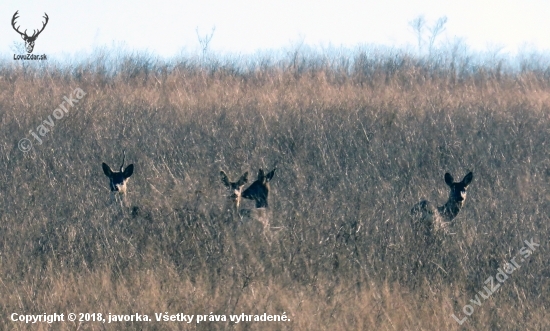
(450, 209)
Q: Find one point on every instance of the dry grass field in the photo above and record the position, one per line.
(357, 142)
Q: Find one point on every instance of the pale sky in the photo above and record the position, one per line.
(167, 27)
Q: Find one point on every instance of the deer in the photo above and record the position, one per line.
(427, 219)
(29, 40)
(257, 191)
(118, 179)
(235, 190)
(429, 224)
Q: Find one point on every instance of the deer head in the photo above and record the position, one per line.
(118, 179)
(235, 188)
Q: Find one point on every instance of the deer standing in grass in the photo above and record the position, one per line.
(235, 190)
(257, 191)
(428, 219)
(118, 179)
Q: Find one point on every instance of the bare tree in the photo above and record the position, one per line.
(419, 27)
(204, 41)
(436, 30)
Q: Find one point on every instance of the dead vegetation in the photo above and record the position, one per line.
(358, 141)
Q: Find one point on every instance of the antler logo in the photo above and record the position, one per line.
(29, 40)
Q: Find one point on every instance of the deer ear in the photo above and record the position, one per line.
(224, 178)
(106, 170)
(468, 179)
(243, 179)
(270, 174)
(129, 171)
(449, 179)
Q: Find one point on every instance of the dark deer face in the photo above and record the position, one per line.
(259, 190)
(118, 179)
(235, 188)
(29, 40)
(458, 190)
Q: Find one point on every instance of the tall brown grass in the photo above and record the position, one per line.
(358, 142)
